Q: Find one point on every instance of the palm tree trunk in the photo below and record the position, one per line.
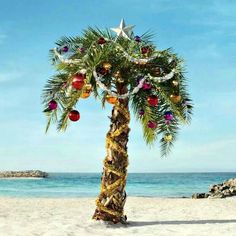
(111, 200)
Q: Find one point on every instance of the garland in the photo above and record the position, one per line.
(108, 190)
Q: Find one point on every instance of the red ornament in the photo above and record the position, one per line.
(74, 115)
(152, 124)
(78, 81)
(101, 40)
(145, 50)
(153, 100)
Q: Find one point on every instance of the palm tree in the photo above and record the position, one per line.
(128, 72)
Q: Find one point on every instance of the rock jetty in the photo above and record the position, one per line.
(24, 174)
(222, 190)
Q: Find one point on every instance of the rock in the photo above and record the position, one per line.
(24, 174)
(222, 190)
(200, 195)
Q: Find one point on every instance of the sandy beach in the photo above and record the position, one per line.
(146, 216)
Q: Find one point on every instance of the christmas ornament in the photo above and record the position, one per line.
(137, 39)
(117, 74)
(169, 116)
(152, 124)
(65, 49)
(123, 30)
(81, 50)
(111, 99)
(107, 66)
(145, 50)
(175, 98)
(168, 137)
(52, 105)
(86, 91)
(101, 41)
(152, 100)
(78, 81)
(146, 86)
(74, 115)
(167, 122)
(141, 112)
(120, 80)
(175, 82)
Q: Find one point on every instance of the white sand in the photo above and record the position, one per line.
(147, 216)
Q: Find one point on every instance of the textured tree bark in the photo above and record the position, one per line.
(111, 200)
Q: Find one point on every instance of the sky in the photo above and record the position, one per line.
(202, 32)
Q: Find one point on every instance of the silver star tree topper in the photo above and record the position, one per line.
(123, 30)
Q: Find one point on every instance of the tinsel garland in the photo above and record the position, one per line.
(111, 143)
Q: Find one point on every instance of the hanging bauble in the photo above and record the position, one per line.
(152, 100)
(81, 50)
(175, 83)
(74, 115)
(52, 105)
(106, 66)
(65, 49)
(146, 86)
(167, 122)
(78, 81)
(168, 116)
(175, 98)
(101, 41)
(152, 124)
(87, 89)
(111, 99)
(145, 50)
(120, 80)
(141, 112)
(168, 137)
(137, 39)
(117, 74)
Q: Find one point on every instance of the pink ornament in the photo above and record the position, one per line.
(169, 116)
(52, 105)
(146, 86)
(152, 124)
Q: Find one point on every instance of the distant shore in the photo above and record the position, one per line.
(146, 217)
(23, 174)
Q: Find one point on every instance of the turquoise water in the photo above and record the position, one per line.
(61, 185)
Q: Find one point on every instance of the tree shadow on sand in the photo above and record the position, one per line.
(178, 222)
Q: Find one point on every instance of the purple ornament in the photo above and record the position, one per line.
(141, 112)
(52, 105)
(169, 116)
(167, 122)
(81, 50)
(146, 86)
(152, 124)
(137, 38)
(65, 49)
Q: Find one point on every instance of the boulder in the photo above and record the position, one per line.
(222, 190)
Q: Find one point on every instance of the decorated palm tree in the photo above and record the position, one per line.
(128, 72)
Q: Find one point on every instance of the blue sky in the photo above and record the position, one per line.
(202, 32)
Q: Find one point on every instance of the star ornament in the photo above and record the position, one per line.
(123, 30)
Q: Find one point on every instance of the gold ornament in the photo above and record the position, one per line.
(120, 80)
(175, 98)
(86, 91)
(168, 138)
(107, 66)
(111, 99)
(117, 74)
(175, 82)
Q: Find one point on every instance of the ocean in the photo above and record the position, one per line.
(70, 185)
